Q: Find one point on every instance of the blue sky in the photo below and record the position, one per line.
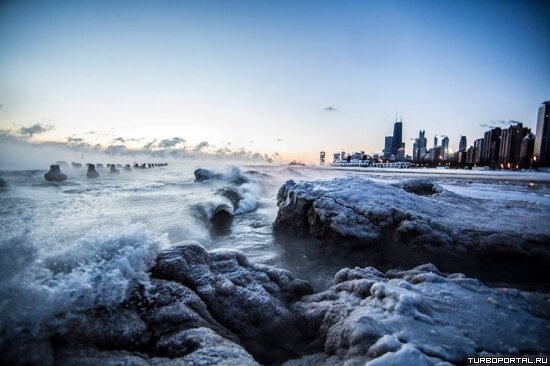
(258, 75)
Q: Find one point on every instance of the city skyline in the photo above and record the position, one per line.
(257, 78)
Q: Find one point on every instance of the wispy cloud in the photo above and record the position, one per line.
(35, 129)
(201, 145)
(330, 109)
(170, 143)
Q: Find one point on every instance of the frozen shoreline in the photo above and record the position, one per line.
(182, 303)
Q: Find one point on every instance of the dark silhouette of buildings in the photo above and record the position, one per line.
(397, 139)
(510, 145)
(388, 145)
(542, 138)
(463, 144)
(419, 146)
(526, 151)
(491, 147)
(445, 148)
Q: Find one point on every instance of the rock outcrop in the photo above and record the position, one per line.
(210, 308)
(415, 222)
(234, 175)
(54, 174)
(420, 317)
(250, 300)
(203, 175)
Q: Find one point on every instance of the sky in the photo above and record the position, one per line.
(276, 78)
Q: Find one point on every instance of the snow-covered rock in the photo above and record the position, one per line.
(203, 175)
(251, 300)
(420, 317)
(417, 222)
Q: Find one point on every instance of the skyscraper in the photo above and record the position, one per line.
(463, 144)
(526, 151)
(397, 139)
(491, 147)
(388, 144)
(445, 147)
(419, 147)
(542, 138)
(510, 144)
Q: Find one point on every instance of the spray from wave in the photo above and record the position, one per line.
(41, 293)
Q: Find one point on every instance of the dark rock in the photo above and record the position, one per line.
(55, 175)
(92, 173)
(114, 170)
(250, 300)
(203, 175)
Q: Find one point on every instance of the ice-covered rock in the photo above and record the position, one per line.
(92, 173)
(3, 183)
(251, 300)
(127, 168)
(233, 175)
(420, 317)
(203, 175)
(191, 347)
(416, 222)
(76, 165)
(54, 174)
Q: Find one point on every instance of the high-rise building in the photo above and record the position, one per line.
(478, 150)
(491, 147)
(470, 155)
(322, 158)
(542, 138)
(526, 151)
(419, 147)
(397, 138)
(435, 141)
(463, 144)
(445, 148)
(388, 142)
(510, 145)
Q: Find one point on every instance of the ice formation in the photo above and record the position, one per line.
(417, 222)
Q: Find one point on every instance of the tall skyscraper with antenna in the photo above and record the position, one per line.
(397, 140)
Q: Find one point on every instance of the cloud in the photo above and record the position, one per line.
(279, 140)
(499, 123)
(35, 129)
(114, 149)
(150, 144)
(169, 143)
(330, 109)
(119, 139)
(74, 139)
(201, 145)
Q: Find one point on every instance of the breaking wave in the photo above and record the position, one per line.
(40, 293)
